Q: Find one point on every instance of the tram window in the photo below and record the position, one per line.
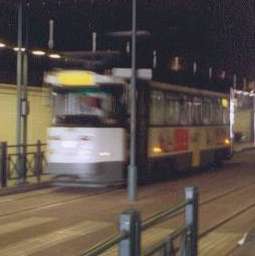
(226, 116)
(87, 107)
(207, 112)
(217, 113)
(225, 111)
(186, 112)
(157, 105)
(172, 110)
(197, 111)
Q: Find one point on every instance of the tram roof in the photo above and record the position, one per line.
(188, 90)
(78, 78)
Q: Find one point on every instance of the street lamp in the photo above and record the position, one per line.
(22, 49)
(54, 56)
(38, 53)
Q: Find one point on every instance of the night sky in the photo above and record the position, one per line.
(212, 32)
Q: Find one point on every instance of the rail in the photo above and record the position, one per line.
(131, 227)
(18, 162)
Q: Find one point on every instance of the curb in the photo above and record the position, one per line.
(25, 188)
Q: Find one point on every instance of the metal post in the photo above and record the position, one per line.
(130, 223)
(234, 81)
(51, 34)
(38, 161)
(19, 90)
(132, 169)
(128, 47)
(210, 73)
(3, 164)
(154, 60)
(24, 113)
(94, 42)
(191, 220)
(194, 68)
(169, 247)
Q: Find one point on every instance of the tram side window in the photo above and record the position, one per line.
(197, 111)
(225, 111)
(207, 112)
(157, 108)
(185, 111)
(172, 110)
(217, 116)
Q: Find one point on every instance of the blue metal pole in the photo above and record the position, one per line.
(132, 169)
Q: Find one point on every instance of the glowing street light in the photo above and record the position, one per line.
(17, 48)
(38, 53)
(54, 56)
(2, 45)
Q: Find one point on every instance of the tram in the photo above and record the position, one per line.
(178, 128)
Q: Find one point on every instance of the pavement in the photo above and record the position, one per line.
(58, 221)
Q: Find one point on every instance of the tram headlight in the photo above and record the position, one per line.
(227, 141)
(157, 150)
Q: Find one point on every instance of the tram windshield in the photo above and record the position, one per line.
(98, 106)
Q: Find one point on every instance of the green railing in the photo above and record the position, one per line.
(131, 227)
(18, 162)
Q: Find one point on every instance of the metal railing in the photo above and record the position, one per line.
(18, 162)
(131, 227)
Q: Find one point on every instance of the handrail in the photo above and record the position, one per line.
(171, 237)
(25, 145)
(147, 223)
(105, 245)
(27, 153)
(19, 157)
(160, 216)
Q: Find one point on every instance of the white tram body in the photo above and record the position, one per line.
(178, 128)
(94, 155)
(81, 148)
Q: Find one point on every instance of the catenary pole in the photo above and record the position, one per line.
(132, 169)
(19, 88)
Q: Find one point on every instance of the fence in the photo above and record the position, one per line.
(18, 162)
(131, 227)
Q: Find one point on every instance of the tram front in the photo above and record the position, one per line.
(87, 140)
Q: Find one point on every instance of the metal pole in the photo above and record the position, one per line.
(191, 220)
(132, 170)
(94, 42)
(210, 73)
(154, 61)
(24, 113)
(3, 164)
(234, 81)
(51, 34)
(19, 89)
(38, 161)
(130, 223)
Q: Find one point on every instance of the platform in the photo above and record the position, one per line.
(56, 221)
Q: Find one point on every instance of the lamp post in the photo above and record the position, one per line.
(19, 91)
(132, 169)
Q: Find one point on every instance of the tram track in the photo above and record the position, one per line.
(108, 190)
(59, 203)
(225, 220)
